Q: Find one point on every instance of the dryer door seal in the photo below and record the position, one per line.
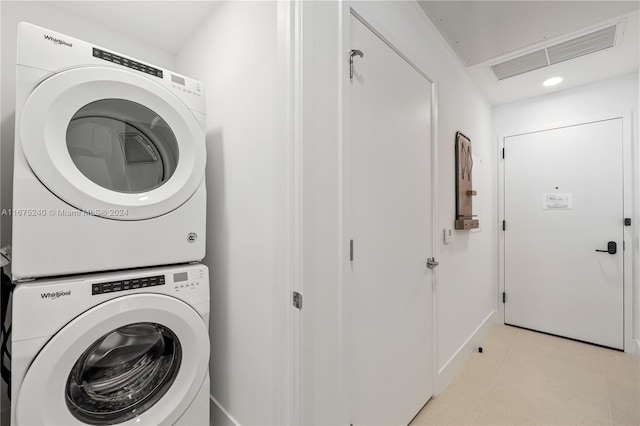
(44, 397)
(56, 114)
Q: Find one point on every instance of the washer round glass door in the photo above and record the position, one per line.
(123, 374)
(137, 359)
(106, 140)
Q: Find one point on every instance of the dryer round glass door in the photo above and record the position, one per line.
(122, 146)
(112, 143)
(135, 359)
(123, 374)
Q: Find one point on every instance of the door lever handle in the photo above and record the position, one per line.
(612, 248)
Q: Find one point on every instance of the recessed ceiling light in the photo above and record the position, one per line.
(552, 81)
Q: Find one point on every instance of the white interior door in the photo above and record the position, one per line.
(391, 207)
(564, 201)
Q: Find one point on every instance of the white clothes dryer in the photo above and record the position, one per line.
(126, 348)
(109, 160)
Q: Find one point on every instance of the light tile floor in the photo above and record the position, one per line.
(528, 378)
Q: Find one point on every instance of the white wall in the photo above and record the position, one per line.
(466, 289)
(235, 54)
(39, 13)
(616, 95)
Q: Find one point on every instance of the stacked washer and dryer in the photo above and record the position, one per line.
(111, 308)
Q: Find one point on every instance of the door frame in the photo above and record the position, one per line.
(628, 165)
(294, 399)
(288, 357)
(352, 8)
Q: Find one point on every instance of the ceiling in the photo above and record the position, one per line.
(480, 33)
(483, 33)
(165, 25)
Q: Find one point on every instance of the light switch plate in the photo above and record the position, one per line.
(447, 235)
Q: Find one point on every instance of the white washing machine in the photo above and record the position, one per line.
(129, 348)
(109, 160)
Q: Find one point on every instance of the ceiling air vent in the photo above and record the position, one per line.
(589, 43)
(585, 44)
(520, 65)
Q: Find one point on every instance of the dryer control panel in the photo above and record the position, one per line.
(52, 51)
(126, 62)
(185, 87)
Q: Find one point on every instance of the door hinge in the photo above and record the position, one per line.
(297, 300)
(432, 263)
(504, 297)
(351, 250)
(503, 153)
(504, 225)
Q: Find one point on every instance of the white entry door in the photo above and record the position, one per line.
(563, 203)
(391, 207)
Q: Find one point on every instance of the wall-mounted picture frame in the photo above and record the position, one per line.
(465, 219)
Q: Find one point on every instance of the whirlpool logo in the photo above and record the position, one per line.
(55, 295)
(58, 41)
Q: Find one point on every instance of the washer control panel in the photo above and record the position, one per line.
(187, 281)
(123, 285)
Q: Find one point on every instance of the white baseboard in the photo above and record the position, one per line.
(220, 416)
(457, 361)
